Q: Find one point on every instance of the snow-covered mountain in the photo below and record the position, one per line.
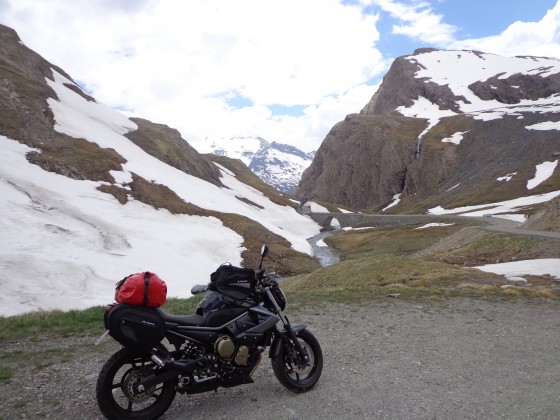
(446, 129)
(90, 196)
(279, 165)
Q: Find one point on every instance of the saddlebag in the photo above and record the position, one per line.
(232, 281)
(141, 289)
(135, 327)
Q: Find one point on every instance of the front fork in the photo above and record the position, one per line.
(284, 337)
(291, 333)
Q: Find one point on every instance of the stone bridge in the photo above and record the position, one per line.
(364, 220)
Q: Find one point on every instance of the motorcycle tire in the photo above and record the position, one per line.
(115, 396)
(286, 369)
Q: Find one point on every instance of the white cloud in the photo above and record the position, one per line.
(418, 21)
(177, 62)
(189, 64)
(522, 38)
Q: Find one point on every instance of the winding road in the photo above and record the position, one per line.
(496, 224)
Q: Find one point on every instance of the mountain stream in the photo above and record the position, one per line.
(325, 254)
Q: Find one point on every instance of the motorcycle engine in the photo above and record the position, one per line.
(226, 349)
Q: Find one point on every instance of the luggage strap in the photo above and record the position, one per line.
(146, 287)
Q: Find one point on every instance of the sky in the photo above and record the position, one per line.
(284, 70)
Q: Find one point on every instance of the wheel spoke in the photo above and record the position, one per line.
(115, 386)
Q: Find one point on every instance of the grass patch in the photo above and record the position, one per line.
(6, 374)
(500, 247)
(78, 159)
(62, 323)
(385, 241)
(381, 261)
(368, 273)
(75, 322)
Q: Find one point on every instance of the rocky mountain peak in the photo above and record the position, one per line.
(443, 128)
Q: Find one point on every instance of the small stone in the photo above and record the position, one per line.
(517, 280)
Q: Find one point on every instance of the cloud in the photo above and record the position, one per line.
(522, 38)
(226, 68)
(179, 62)
(417, 20)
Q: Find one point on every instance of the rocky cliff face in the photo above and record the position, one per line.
(547, 218)
(445, 128)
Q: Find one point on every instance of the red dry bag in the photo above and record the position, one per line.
(141, 289)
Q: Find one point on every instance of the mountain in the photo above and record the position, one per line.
(446, 130)
(279, 165)
(90, 196)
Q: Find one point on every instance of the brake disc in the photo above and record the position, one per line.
(132, 378)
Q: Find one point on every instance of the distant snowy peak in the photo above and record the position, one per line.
(279, 165)
(243, 148)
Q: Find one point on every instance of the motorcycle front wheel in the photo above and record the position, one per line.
(295, 377)
(115, 394)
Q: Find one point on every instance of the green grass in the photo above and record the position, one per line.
(501, 247)
(75, 322)
(6, 374)
(385, 241)
(377, 261)
(368, 273)
(58, 322)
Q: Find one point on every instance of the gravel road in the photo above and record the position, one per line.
(457, 359)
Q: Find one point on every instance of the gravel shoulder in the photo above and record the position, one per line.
(460, 358)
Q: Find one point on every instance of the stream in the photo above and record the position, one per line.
(325, 254)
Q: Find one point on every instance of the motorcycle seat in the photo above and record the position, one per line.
(188, 320)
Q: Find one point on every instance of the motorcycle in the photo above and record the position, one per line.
(218, 346)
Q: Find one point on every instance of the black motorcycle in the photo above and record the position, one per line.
(219, 346)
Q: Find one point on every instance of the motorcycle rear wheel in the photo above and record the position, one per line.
(115, 396)
(285, 366)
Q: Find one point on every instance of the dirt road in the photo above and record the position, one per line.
(389, 359)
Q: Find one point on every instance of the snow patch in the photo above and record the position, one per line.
(396, 200)
(121, 177)
(499, 208)
(455, 138)
(506, 177)
(335, 223)
(545, 126)
(453, 187)
(543, 172)
(429, 225)
(539, 267)
(321, 243)
(316, 208)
